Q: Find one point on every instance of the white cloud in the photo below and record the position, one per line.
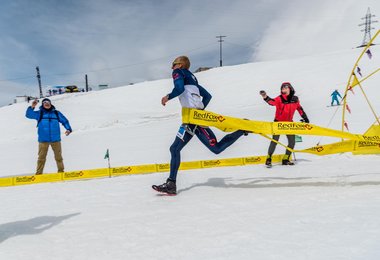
(313, 27)
(118, 42)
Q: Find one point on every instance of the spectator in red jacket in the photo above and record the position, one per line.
(286, 105)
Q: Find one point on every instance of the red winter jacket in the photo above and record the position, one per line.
(285, 108)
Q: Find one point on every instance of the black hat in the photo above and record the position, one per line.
(46, 100)
(287, 84)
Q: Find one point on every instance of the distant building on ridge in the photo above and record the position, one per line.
(200, 69)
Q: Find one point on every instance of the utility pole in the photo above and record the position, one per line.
(220, 49)
(367, 30)
(86, 83)
(39, 81)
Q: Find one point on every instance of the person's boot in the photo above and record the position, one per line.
(169, 187)
(268, 162)
(286, 161)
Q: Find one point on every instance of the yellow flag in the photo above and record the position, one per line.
(355, 81)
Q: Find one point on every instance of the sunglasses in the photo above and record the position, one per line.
(285, 85)
(46, 102)
(175, 63)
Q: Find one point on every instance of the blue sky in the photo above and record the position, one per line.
(119, 42)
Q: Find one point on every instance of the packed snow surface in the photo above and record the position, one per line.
(321, 208)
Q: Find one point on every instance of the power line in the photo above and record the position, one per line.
(15, 79)
(113, 68)
(240, 45)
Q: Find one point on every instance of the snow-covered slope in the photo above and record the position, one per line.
(130, 120)
(322, 208)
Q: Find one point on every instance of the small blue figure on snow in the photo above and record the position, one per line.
(334, 96)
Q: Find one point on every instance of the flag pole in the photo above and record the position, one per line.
(107, 156)
(109, 167)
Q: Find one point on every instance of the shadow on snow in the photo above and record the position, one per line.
(280, 182)
(31, 226)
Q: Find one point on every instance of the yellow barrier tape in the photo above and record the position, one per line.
(74, 175)
(190, 165)
(223, 162)
(355, 146)
(261, 159)
(165, 167)
(85, 174)
(137, 169)
(34, 179)
(229, 124)
(5, 182)
(130, 170)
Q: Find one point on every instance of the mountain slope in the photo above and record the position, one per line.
(322, 208)
(130, 119)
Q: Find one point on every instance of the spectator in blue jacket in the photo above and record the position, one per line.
(49, 133)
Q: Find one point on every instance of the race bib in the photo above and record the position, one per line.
(181, 132)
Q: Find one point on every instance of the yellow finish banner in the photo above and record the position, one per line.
(356, 147)
(339, 147)
(229, 124)
(366, 148)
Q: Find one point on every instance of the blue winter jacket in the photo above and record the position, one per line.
(182, 77)
(335, 95)
(48, 125)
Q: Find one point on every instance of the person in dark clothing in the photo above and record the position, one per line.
(190, 95)
(286, 105)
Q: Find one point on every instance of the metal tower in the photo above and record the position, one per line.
(367, 30)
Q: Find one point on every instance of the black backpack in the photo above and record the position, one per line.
(41, 114)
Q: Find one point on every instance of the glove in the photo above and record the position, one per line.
(263, 93)
(34, 103)
(305, 119)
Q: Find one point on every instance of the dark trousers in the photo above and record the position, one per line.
(291, 144)
(207, 137)
(335, 99)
